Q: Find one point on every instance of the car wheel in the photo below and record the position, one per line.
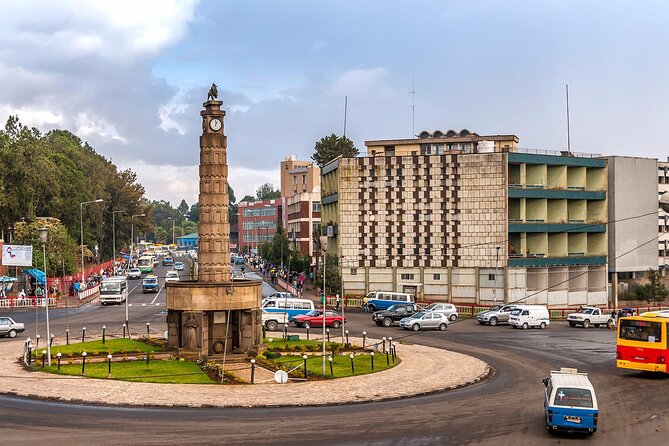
(271, 325)
(572, 324)
(307, 325)
(493, 321)
(542, 325)
(415, 327)
(442, 327)
(336, 324)
(12, 333)
(586, 323)
(387, 322)
(452, 317)
(525, 326)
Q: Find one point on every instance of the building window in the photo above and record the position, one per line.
(294, 179)
(354, 271)
(304, 179)
(491, 277)
(436, 276)
(316, 206)
(406, 276)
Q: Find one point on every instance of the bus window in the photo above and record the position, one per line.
(643, 331)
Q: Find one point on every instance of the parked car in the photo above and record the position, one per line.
(448, 310)
(150, 284)
(499, 314)
(393, 314)
(314, 318)
(178, 266)
(588, 316)
(526, 316)
(425, 320)
(272, 321)
(570, 403)
(10, 328)
(171, 276)
(134, 273)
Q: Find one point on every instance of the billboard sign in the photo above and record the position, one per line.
(17, 255)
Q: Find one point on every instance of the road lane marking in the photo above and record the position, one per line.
(157, 294)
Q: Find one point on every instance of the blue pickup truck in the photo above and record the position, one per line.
(570, 404)
(150, 284)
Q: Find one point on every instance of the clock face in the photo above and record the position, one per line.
(215, 124)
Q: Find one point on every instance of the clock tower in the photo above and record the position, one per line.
(214, 226)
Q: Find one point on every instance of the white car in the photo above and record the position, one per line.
(134, 273)
(448, 310)
(589, 316)
(171, 276)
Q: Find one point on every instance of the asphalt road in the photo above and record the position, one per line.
(507, 408)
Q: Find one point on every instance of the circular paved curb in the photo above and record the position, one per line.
(422, 370)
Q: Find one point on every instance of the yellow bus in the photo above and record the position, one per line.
(642, 342)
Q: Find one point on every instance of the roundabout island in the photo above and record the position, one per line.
(419, 370)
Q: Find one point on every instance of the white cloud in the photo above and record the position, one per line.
(32, 117)
(361, 82)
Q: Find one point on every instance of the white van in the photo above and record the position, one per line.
(113, 290)
(382, 300)
(526, 316)
(292, 307)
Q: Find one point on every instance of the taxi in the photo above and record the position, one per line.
(150, 284)
(570, 404)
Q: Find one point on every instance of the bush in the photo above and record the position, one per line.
(261, 357)
(272, 355)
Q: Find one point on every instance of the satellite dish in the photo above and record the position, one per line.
(281, 376)
(664, 202)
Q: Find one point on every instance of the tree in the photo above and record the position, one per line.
(248, 198)
(232, 207)
(332, 278)
(330, 147)
(654, 290)
(194, 213)
(61, 249)
(267, 192)
(183, 208)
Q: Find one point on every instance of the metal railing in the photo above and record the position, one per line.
(15, 302)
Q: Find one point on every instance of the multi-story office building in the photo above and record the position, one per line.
(303, 215)
(663, 218)
(469, 219)
(300, 192)
(633, 207)
(257, 222)
(298, 177)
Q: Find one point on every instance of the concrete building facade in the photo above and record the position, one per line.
(257, 222)
(468, 219)
(303, 219)
(633, 207)
(663, 218)
(298, 176)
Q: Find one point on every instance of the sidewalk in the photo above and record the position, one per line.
(422, 370)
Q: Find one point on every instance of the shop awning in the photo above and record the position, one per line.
(36, 273)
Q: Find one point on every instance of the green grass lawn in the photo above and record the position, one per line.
(280, 344)
(114, 346)
(172, 371)
(341, 364)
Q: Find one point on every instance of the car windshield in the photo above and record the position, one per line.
(496, 308)
(110, 287)
(586, 310)
(314, 313)
(568, 396)
(135, 270)
(431, 306)
(393, 308)
(419, 314)
(150, 280)
(171, 274)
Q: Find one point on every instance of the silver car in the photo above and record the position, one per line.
(10, 328)
(499, 314)
(448, 310)
(425, 320)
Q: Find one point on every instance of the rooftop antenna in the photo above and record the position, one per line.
(413, 105)
(568, 135)
(345, 110)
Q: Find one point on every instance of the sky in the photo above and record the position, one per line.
(130, 77)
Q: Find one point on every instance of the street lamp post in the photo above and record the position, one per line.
(114, 233)
(43, 234)
(132, 246)
(173, 220)
(81, 223)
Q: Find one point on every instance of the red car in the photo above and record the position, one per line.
(314, 318)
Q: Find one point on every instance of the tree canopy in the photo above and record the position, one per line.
(332, 146)
(267, 192)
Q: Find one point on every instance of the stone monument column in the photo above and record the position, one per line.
(213, 227)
